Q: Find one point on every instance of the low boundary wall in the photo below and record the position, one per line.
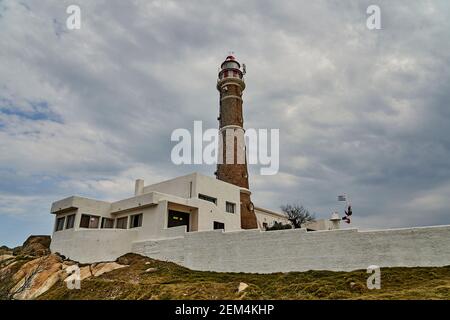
(297, 250)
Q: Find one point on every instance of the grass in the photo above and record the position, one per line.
(171, 281)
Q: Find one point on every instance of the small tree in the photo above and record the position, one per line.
(297, 214)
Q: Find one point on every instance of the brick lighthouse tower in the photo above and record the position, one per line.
(232, 168)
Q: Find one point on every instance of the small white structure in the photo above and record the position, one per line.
(267, 218)
(323, 224)
(195, 202)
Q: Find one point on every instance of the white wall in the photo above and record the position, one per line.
(298, 250)
(179, 187)
(92, 245)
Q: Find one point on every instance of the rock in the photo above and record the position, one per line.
(5, 250)
(95, 270)
(151, 270)
(105, 267)
(147, 263)
(36, 246)
(242, 287)
(130, 258)
(67, 264)
(5, 257)
(85, 272)
(7, 270)
(36, 277)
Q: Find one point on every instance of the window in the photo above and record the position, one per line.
(207, 198)
(265, 225)
(219, 225)
(70, 222)
(122, 223)
(89, 222)
(107, 223)
(230, 207)
(136, 221)
(60, 224)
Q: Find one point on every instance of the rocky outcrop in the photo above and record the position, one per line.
(28, 271)
(35, 246)
(95, 270)
(36, 277)
(5, 250)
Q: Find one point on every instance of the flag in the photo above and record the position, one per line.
(342, 198)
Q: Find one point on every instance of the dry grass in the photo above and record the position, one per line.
(171, 281)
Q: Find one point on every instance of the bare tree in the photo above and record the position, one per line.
(297, 214)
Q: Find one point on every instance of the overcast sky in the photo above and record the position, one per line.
(86, 112)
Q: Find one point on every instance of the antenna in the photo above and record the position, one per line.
(244, 69)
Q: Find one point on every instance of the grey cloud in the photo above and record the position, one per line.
(360, 111)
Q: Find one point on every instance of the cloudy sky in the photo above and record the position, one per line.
(86, 112)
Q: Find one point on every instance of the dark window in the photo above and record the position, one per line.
(107, 223)
(219, 225)
(89, 222)
(136, 221)
(122, 223)
(177, 218)
(230, 207)
(207, 198)
(60, 224)
(70, 221)
(265, 225)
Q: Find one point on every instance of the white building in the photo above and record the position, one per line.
(199, 202)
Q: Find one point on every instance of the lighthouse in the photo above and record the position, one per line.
(232, 162)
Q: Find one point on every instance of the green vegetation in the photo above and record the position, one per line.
(167, 280)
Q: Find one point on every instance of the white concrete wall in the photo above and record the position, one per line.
(92, 245)
(179, 190)
(298, 250)
(179, 186)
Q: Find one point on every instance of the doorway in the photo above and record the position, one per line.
(178, 218)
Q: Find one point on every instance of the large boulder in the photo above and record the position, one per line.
(36, 246)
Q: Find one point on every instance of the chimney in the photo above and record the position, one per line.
(139, 187)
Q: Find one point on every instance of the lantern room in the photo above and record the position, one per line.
(230, 68)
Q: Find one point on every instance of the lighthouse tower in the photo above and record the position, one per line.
(232, 164)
